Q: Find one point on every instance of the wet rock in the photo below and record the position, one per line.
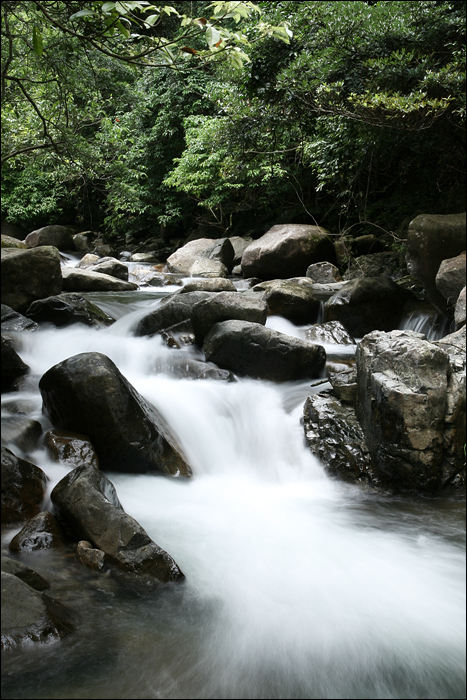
(365, 305)
(23, 488)
(89, 395)
(323, 273)
(249, 349)
(226, 306)
(208, 285)
(153, 278)
(84, 280)
(71, 449)
(376, 264)
(344, 384)
(336, 437)
(459, 311)
(60, 237)
(145, 258)
(112, 267)
(330, 333)
(20, 431)
(430, 240)
(87, 502)
(14, 321)
(28, 275)
(67, 309)
(287, 250)
(450, 278)
(89, 556)
(291, 299)
(43, 531)
(23, 572)
(12, 365)
(28, 616)
(171, 311)
(183, 367)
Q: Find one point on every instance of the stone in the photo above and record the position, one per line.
(154, 278)
(112, 267)
(87, 502)
(208, 285)
(204, 267)
(376, 264)
(20, 431)
(329, 333)
(10, 242)
(225, 306)
(177, 364)
(239, 245)
(323, 273)
(344, 385)
(171, 311)
(67, 309)
(291, 299)
(432, 238)
(28, 275)
(89, 556)
(144, 258)
(82, 241)
(23, 488)
(83, 280)
(287, 250)
(14, 321)
(70, 449)
(60, 237)
(88, 394)
(450, 278)
(202, 248)
(459, 311)
(29, 576)
(42, 531)
(13, 366)
(365, 305)
(249, 349)
(88, 260)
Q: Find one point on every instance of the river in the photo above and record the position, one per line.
(297, 585)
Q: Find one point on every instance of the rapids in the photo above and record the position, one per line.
(297, 586)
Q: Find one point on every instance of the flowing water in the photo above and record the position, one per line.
(297, 586)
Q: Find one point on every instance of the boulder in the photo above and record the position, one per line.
(88, 394)
(287, 250)
(14, 321)
(323, 273)
(431, 239)
(154, 278)
(450, 278)
(250, 349)
(86, 501)
(29, 576)
(330, 333)
(459, 311)
(291, 299)
(10, 242)
(43, 531)
(179, 365)
(203, 267)
(67, 309)
(376, 264)
(365, 305)
(82, 241)
(407, 399)
(12, 365)
(28, 275)
(78, 280)
(88, 260)
(171, 311)
(20, 431)
(112, 267)
(29, 616)
(144, 258)
(60, 237)
(90, 556)
(23, 488)
(226, 306)
(209, 285)
(239, 246)
(70, 449)
(202, 248)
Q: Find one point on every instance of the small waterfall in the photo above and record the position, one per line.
(427, 320)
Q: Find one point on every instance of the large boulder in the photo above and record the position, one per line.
(77, 280)
(195, 251)
(10, 242)
(450, 278)
(28, 275)
(112, 267)
(88, 394)
(431, 239)
(171, 311)
(411, 406)
(210, 269)
(292, 299)
(87, 503)
(365, 305)
(287, 250)
(59, 236)
(67, 309)
(249, 349)
(23, 488)
(226, 306)
(459, 311)
(323, 273)
(376, 264)
(14, 321)
(13, 366)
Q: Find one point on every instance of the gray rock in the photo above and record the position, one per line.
(13, 230)
(23, 488)
(226, 306)
(144, 258)
(204, 267)
(67, 309)
(29, 576)
(12, 365)
(323, 273)
(291, 299)
(202, 248)
(459, 311)
(344, 385)
(250, 349)
(88, 394)
(87, 502)
(430, 240)
(112, 267)
(89, 556)
(82, 241)
(10, 242)
(173, 310)
(14, 321)
(153, 278)
(28, 275)
(83, 280)
(330, 333)
(88, 260)
(71, 449)
(376, 264)
(450, 278)
(20, 431)
(42, 531)
(59, 236)
(239, 245)
(208, 285)
(287, 250)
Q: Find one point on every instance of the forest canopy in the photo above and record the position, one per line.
(127, 117)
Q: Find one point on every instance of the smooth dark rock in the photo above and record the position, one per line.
(291, 299)
(20, 431)
(29, 576)
(28, 275)
(112, 267)
(225, 306)
(171, 311)
(43, 531)
(250, 349)
(84, 280)
(23, 488)
(88, 394)
(72, 449)
(12, 365)
(323, 273)
(14, 321)
(87, 502)
(67, 309)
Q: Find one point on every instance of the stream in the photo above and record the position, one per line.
(297, 585)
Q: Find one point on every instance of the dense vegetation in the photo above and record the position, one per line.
(133, 119)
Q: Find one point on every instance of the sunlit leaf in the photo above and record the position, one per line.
(37, 41)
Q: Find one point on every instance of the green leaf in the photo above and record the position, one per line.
(213, 36)
(37, 41)
(82, 13)
(108, 7)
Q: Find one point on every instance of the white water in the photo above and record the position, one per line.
(296, 586)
